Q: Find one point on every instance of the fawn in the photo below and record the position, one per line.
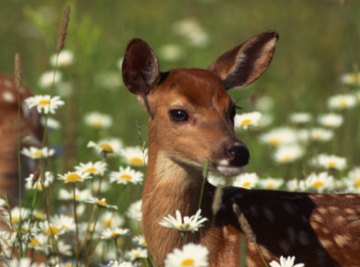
(191, 122)
(19, 126)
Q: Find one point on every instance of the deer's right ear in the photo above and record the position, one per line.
(140, 68)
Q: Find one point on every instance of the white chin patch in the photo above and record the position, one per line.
(228, 171)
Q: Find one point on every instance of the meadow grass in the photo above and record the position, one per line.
(317, 59)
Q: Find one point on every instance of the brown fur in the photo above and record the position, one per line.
(278, 223)
(19, 126)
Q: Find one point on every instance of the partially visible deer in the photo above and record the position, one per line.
(19, 126)
(191, 122)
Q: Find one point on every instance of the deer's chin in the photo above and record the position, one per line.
(228, 170)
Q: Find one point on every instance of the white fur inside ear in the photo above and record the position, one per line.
(270, 45)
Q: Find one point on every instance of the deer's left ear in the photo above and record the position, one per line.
(245, 63)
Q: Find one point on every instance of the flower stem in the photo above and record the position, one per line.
(77, 249)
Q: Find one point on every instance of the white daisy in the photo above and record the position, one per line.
(17, 215)
(330, 162)
(111, 220)
(98, 120)
(137, 254)
(288, 153)
(183, 224)
(107, 146)
(51, 123)
(134, 211)
(300, 118)
(171, 52)
(340, 102)
(37, 153)
(101, 202)
(114, 233)
(296, 185)
(52, 229)
(192, 31)
(353, 180)
(191, 255)
(264, 104)
(49, 78)
(139, 241)
(271, 183)
(39, 183)
(352, 78)
(321, 134)
(126, 175)
(74, 177)
(286, 262)
(80, 195)
(44, 103)
(331, 120)
(63, 59)
(320, 182)
(120, 264)
(135, 156)
(66, 223)
(279, 136)
(38, 241)
(92, 168)
(245, 120)
(246, 180)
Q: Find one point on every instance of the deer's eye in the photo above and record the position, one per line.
(178, 115)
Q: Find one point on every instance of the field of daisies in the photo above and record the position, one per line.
(82, 207)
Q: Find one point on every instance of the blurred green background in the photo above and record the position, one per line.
(319, 41)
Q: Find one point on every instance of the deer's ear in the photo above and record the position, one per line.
(245, 63)
(140, 68)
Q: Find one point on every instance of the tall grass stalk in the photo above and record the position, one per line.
(205, 173)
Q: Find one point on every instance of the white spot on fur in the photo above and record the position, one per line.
(342, 240)
(326, 243)
(8, 97)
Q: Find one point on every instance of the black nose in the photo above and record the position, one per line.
(239, 155)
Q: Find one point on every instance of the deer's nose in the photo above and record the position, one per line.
(239, 154)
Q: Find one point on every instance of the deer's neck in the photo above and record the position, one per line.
(169, 186)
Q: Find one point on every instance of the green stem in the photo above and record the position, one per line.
(77, 249)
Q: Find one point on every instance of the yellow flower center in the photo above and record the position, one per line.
(357, 182)
(137, 161)
(90, 170)
(101, 202)
(188, 262)
(285, 159)
(39, 215)
(331, 164)
(97, 123)
(106, 148)
(114, 235)
(126, 177)
(39, 186)
(318, 184)
(72, 178)
(36, 154)
(34, 242)
(270, 185)
(15, 218)
(246, 122)
(343, 103)
(246, 184)
(274, 142)
(44, 102)
(52, 230)
(107, 223)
